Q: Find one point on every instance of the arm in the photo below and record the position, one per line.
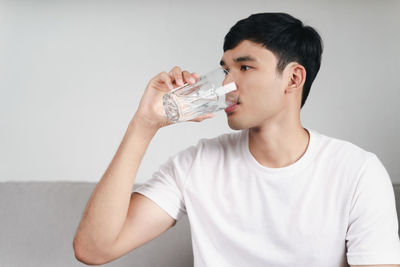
(115, 221)
(107, 208)
(372, 234)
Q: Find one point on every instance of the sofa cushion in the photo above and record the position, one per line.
(39, 220)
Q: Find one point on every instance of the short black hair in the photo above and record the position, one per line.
(285, 36)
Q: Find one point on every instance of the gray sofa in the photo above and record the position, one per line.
(38, 221)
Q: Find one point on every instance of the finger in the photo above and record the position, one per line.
(196, 76)
(188, 77)
(176, 72)
(203, 117)
(164, 77)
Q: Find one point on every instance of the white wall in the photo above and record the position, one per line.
(72, 74)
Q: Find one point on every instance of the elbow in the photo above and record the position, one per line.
(88, 256)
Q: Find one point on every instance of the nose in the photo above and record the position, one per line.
(230, 97)
(228, 78)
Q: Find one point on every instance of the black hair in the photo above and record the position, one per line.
(286, 37)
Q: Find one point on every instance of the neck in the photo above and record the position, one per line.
(277, 146)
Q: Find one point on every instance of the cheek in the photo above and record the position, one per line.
(264, 105)
(265, 93)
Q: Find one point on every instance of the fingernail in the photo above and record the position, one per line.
(192, 80)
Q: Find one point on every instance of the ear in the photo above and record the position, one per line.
(296, 78)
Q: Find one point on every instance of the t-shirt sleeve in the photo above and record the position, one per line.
(166, 186)
(372, 234)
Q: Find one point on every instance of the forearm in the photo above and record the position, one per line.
(107, 208)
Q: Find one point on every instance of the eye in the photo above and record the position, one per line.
(243, 67)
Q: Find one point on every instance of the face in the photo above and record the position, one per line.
(260, 88)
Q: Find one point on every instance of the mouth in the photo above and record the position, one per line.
(234, 104)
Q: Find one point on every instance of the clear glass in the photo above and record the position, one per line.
(207, 95)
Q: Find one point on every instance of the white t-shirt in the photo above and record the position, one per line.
(334, 206)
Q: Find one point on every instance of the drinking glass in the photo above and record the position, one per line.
(207, 95)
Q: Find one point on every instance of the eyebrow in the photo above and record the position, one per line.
(240, 59)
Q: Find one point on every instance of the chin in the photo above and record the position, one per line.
(236, 124)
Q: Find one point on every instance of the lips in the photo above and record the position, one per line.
(231, 108)
(233, 102)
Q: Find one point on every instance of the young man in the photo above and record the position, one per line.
(272, 194)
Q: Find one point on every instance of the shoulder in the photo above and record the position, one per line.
(355, 167)
(209, 147)
(225, 143)
(342, 153)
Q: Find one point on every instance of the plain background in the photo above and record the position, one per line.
(72, 74)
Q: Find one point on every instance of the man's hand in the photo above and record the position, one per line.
(151, 111)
